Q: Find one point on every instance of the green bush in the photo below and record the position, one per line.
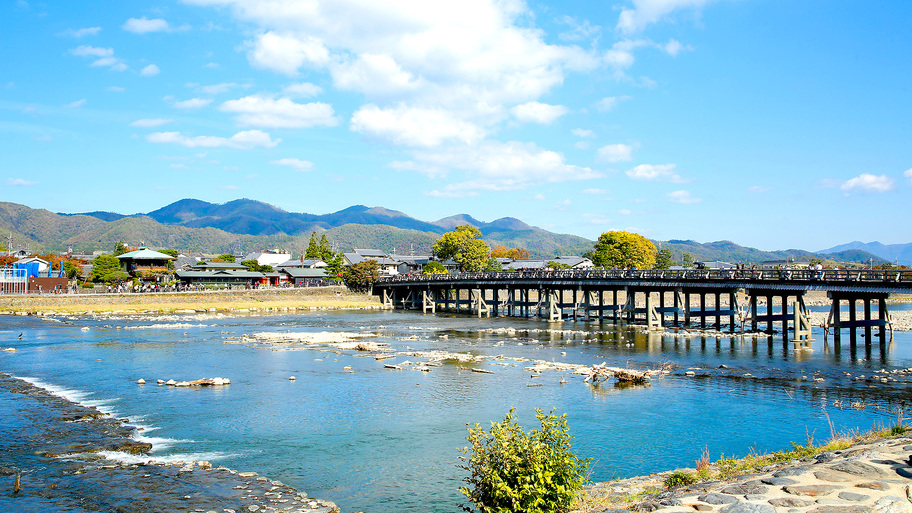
(679, 478)
(517, 472)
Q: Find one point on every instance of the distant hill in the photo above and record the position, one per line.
(245, 225)
(897, 253)
(854, 256)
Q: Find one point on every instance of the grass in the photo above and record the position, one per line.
(727, 468)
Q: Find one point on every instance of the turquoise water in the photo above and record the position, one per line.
(379, 440)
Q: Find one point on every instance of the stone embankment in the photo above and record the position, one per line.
(869, 477)
(237, 301)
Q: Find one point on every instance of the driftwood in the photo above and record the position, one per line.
(483, 371)
(602, 372)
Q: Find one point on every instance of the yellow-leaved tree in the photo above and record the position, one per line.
(619, 249)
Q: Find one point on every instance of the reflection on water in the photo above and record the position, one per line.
(380, 440)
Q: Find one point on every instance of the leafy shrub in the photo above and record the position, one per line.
(514, 471)
(679, 478)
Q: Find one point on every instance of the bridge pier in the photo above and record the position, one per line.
(836, 322)
(801, 324)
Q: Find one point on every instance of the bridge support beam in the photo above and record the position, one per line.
(836, 322)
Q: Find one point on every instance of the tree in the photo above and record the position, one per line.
(119, 248)
(623, 250)
(313, 247)
(664, 259)
(493, 266)
(227, 257)
(359, 277)
(434, 267)
(465, 247)
(104, 267)
(321, 250)
(517, 472)
(551, 264)
(514, 253)
(72, 270)
(687, 260)
(254, 266)
(170, 252)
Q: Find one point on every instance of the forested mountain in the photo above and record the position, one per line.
(242, 226)
(898, 253)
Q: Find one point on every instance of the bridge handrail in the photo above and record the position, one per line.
(761, 275)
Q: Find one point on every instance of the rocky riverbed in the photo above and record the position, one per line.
(868, 477)
(56, 455)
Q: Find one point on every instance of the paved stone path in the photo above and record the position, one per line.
(870, 477)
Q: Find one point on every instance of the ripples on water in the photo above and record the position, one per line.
(380, 440)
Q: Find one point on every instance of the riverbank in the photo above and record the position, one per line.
(869, 473)
(239, 301)
(59, 455)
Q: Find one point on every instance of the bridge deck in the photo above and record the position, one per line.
(839, 281)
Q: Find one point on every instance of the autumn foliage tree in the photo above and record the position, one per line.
(465, 247)
(621, 250)
(500, 251)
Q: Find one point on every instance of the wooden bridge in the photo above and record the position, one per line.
(648, 296)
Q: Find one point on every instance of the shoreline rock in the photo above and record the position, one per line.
(867, 477)
(72, 467)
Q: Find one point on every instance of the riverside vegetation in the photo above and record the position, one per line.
(512, 471)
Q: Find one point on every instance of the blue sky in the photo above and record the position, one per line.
(774, 124)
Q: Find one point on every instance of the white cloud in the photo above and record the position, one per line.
(79, 33)
(242, 140)
(625, 212)
(286, 53)
(610, 102)
(76, 104)
(868, 183)
(596, 219)
(663, 172)
(584, 31)
(215, 89)
(116, 89)
(19, 182)
(496, 166)
(908, 174)
(302, 90)
(92, 51)
(596, 191)
(646, 12)
(377, 75)
(536, 112)
(579, 132)
(615, 153)
(581, 145)
(758, 189)
(145, 25)
(415, 127)
(538, 197)
(297, 164)
(150, 123)
(150, 71)
(673, 47)
(105, 56)
(682, 197)
(471, 58)
(192, 103)
(266, 112)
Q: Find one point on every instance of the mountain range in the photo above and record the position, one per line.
(243, 225)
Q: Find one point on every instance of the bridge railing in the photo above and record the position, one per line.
(760, 275)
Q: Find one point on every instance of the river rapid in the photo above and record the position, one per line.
(380, 430)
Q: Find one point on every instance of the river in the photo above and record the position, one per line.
(375, 439)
